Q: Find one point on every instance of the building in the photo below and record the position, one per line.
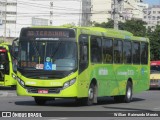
(152, 16)
(18, 14)
(101, 10)
(8, 18)
(133, 9)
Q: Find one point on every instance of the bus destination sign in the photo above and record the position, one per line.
(47, 33)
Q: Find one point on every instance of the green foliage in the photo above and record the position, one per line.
(1, 40)
(134, 26)
(154, 37)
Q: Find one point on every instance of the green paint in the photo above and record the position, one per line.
(111, 78)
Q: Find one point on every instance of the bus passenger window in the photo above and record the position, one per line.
(96, 49)
(136, 52)
(107, 50)
(127, 53)
(117, 51)
(144, 53)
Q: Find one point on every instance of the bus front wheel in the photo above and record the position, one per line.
(91, 96)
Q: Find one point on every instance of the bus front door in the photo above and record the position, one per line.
(4, 65)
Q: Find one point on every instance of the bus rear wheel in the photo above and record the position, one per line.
(127, 97)
(39, 100)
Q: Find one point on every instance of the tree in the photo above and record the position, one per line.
(137, 27)
(154, 37)
(108, 24)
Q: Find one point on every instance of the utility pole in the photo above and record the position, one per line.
(5, 19)
(115, 14)
(80, 12)
(51, 14)
(16, 20)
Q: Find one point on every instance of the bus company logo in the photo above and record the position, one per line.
(142, 71)
(6, 114)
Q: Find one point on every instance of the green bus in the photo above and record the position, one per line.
(82, 63)
(7, 66)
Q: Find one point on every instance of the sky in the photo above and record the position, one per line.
(152, 2)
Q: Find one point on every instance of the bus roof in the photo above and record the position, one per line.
(155, 62)
(107, 32)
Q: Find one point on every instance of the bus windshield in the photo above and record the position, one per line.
(155, 68)
(48, 55)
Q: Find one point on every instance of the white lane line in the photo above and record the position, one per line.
(59, 119)
(6, 93)
(156, 108)
(3, 93)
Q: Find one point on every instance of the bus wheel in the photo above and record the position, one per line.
(39, 100)
(91, 95)
(127, 97)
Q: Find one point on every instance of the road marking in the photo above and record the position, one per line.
(6, 93)
(156, 108)
(3, 93)
(59, 119)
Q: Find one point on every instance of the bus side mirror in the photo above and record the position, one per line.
(15, 50)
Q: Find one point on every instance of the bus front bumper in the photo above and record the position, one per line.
(154, 83)
(55, 92)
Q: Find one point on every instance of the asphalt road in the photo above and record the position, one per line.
(147, 101)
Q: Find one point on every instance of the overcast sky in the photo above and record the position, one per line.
(64, 11)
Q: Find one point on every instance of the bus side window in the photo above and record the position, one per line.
(144, 53)
(136, 52)
(83, 52)
(117, 51)
(127, 52)
(96, 49)
(107, 50)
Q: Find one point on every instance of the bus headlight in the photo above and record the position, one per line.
(69, 83)
(14, 76)
(66, 85)
(21, 82)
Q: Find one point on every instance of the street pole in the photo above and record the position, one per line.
(115, 14)
(51, 13)
(5, 20)
(80, 12)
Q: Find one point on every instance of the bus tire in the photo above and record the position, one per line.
(90, 99)
(39, 100)
(128, 95)
(129, 92)
(91, 95)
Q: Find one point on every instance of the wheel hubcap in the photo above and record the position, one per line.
(129, 93)
(91, 93)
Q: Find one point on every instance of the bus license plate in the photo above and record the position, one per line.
(43, 91)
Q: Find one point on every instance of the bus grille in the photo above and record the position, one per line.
(50, 90)
(154, 82)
